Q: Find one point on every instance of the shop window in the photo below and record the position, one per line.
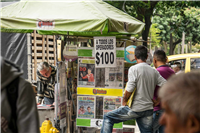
(177, 65)
(195, 63)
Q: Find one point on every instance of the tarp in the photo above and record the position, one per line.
(85, 18)
(14, 48)
(11, 43)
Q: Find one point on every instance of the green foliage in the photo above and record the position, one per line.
(169, 16)
(177, 17)
(155, 39)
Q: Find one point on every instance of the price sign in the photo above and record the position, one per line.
(105, 52)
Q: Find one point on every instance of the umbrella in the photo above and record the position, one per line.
(75, 17)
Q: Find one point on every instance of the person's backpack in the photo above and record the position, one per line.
(12, 94)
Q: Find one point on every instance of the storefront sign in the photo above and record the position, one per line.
(105, 52)
(99, 91)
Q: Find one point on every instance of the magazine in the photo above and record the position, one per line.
(86, 107)
(114, 77)
(86, 72)
(111, 104)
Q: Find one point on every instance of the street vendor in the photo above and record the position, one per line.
(45, 83)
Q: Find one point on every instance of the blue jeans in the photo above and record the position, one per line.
(157, 128)
(124, 113)
(48, 101)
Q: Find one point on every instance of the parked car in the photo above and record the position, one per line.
(187, 62)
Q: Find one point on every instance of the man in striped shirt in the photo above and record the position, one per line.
(45, 83)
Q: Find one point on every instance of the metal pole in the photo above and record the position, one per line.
(56, 96)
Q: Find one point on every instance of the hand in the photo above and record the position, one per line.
(81, 75)
(156, 102)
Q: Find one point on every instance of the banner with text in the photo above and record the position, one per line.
(105, 51)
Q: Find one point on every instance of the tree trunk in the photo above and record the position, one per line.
(171, 45)
(145, 33)
(165, 46)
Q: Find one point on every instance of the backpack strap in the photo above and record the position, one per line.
(12, 94)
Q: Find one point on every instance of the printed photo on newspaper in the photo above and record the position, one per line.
(100, 77)
(111, 104)
(86, 73)
(114, 77)
(86, 107)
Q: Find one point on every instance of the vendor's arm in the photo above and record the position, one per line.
(130, 86)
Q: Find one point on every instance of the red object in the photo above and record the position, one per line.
(90, 77)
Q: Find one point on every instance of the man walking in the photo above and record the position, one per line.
(144, 78)
(159, 61)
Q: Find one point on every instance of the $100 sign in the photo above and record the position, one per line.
(105, 52)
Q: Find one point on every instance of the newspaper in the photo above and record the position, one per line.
(86, 107)
(111, 104)
(99, 107)
(100, 77)
(114, 77)
(86, 72)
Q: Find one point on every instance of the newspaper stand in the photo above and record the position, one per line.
(99, 89)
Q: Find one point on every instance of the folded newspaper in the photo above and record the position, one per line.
(130, 100)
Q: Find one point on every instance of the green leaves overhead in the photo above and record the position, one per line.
(177, 17)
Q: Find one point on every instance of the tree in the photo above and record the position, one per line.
(174, 18)
(142, 10)
(155, 38)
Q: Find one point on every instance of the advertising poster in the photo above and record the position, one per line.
(129, 54)
(86, 107)
(111, 104)
(114, 77)
(86, 73)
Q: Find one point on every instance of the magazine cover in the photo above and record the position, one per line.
(86, 73)
(111, 104)
(114, 77)
(86, 107)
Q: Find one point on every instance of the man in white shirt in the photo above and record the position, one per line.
(144, 78)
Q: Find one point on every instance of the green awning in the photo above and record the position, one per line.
(79, 18)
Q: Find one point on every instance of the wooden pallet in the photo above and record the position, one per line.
(43, 49)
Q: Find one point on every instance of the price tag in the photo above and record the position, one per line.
(105, 52)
